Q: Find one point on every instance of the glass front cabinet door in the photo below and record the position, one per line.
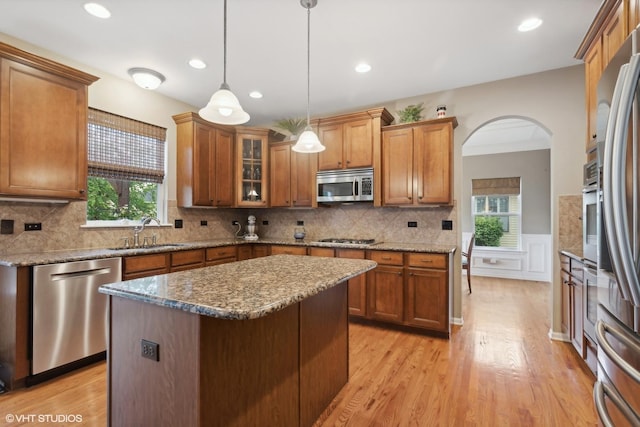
(252, 169)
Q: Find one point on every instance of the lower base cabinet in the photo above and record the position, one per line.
(385, 293)
(411, 289)
(426, 296)
(357, 286)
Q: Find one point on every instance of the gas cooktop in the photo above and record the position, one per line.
(349, 241)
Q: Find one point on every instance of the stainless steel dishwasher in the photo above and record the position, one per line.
(69, 315)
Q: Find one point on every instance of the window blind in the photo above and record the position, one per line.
(123, 148)
(492, 186)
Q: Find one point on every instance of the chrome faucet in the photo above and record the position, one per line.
(140, 228)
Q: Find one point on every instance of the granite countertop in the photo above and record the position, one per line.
(242, 290)
(52, 257)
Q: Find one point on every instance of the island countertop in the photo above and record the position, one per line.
(242, 290)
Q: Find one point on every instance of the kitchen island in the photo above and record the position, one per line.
(256, 342)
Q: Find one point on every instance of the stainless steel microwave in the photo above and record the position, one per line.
(345, 185)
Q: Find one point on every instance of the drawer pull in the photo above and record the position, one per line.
(386, 258)
(427, 260)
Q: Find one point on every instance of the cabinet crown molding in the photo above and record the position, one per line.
(38, 62)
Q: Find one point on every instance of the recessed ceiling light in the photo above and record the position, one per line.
(198, 64)
(363, 67)
(255, 94)
(529, 24)
(97, 10)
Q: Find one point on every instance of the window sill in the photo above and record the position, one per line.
(120, 225)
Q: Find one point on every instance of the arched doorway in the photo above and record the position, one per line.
(517, 148)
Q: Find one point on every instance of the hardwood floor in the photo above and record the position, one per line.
(499, 369)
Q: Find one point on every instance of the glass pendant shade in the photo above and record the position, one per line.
(224, 108)
(308, 142)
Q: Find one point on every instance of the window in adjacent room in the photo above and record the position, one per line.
(126, 169)
(496, 212)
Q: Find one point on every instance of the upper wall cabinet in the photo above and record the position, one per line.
(252, 173)
(417, 163)
(205, 162)
(43, 127)
(351, 139)
(292, 177)
(612, 24)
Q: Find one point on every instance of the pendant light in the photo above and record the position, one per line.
(308, 141)
(223, 107)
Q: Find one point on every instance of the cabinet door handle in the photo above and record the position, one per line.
(339, 163)
(81, 191)
(410, 198)
(410, 274)
(348, 161)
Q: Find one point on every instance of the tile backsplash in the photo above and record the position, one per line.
(570, 223)
(63, 225)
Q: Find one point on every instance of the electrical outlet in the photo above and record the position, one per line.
(203, 223)
(412, 224)
(6, 226)
(265, 222)
(178, 223)
(32, 226)
(299, 223)
(234, 222)
(150, 350)
(447, 224)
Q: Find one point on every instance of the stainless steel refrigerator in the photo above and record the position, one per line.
(617, 391)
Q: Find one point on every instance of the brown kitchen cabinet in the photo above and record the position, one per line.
(385, 287)
(205, 159)
(292, 177)
(288, 250)
(573, 301)
(225, 254)
(252, 171)
(417, 163)
(357, 285)
(137, 266)
(43, 127)
(613, 22)
(427, 292)
(325, 252)
(593, 71)
(261, 250)
(385, 292)
(351, 140)
(187, 260)
(244, 252)
(15, 288)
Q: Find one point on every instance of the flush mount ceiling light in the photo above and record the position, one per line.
(97, 10)
(223, 107)
(308, 141)
(363, 67)
(146, 78)
(529, 24)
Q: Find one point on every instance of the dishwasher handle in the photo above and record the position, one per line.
(80, 273)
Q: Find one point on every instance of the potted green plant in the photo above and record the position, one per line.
(292, 126)
(412, 113)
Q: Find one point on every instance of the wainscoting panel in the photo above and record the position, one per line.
(532, 262)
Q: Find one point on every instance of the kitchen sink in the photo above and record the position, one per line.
(156, 246)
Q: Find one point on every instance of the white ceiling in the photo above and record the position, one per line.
(507, 135)
(415, 47)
